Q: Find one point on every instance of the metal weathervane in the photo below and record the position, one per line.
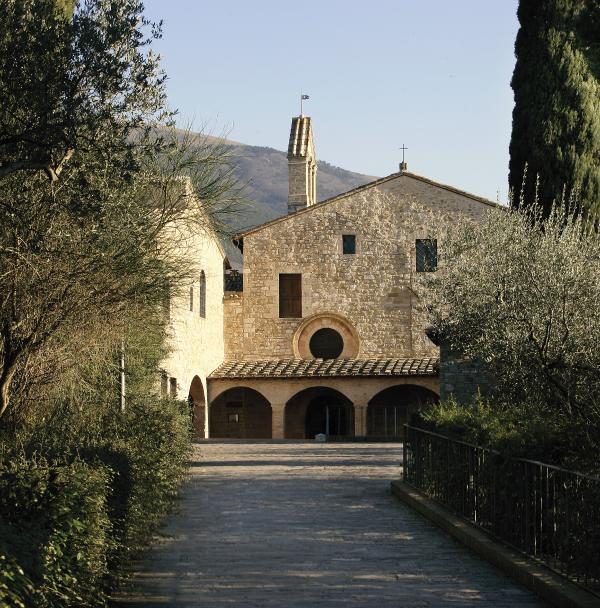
(303, 97)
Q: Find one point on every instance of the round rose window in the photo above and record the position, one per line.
(326, 343)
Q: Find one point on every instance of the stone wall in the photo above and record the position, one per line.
(374, 290)
(233, 310)
(460, 378)
(196, 343)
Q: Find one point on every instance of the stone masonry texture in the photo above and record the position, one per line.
(462, 379)
(307, 525)
(196, 343)
(373, 290)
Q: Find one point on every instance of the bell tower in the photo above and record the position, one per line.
(302, 165)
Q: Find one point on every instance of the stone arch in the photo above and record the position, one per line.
(240, 413)
(325, 320)
(197, 401)
(318, 409)
(392, 407)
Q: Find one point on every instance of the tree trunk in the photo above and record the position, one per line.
(5, 381)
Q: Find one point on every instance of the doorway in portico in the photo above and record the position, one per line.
(390, 409)
(328, 415)
(319, 410)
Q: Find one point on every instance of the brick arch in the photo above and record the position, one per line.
(318, 409)
(304, 332)
(391, 408)
(240, 413)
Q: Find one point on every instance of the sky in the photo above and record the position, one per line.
(433, 75)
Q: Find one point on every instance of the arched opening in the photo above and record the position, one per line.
(318, 410)
(325, 336)
(240, 413)
(393, 407)
(197, 403)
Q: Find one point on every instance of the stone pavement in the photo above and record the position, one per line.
(299, 524)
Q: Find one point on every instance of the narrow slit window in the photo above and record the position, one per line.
(426, 255)
(290, 296)
(173, 387)
(192, 298)
(202, 295)
(164, 384)
(348, 244)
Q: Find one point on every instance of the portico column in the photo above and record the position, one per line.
(360, 420)
(277, 420)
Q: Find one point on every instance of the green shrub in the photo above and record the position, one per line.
(16, 589)
(157, 440)
(147, 448)
(71, 520)
(519, 433)
(53, 524)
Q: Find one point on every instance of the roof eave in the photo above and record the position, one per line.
(239, 236)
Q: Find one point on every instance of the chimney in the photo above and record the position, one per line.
(302, 165)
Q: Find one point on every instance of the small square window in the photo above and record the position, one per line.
(233, 417)
(348, 244)
(426, 255)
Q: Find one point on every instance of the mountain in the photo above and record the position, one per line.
(264, 172)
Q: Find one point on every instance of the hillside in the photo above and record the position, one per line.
(262, 174)
(265, 174)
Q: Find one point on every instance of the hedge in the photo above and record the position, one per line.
(70, 522)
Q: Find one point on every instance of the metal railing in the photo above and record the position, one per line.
(548, 513)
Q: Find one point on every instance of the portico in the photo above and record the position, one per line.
(305, 395)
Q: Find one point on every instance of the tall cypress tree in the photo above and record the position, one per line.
(556, 119)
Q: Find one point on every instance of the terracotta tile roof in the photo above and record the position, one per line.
(305, 368)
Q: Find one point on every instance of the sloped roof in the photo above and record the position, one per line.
(307, 368)
(364, 187)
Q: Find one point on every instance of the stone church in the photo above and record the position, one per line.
(321, 332)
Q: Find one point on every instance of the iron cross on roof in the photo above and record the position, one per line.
(403, 148)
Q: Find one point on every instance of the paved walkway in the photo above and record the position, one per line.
(308, 525)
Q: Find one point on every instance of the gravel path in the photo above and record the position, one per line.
(302, 525)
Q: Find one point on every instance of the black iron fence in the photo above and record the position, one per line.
(548, 513)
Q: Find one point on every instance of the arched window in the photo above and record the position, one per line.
(202, 295)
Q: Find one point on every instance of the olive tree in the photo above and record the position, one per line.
(520, 294)
(90, 181)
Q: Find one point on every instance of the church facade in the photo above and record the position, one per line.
(322, 331)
